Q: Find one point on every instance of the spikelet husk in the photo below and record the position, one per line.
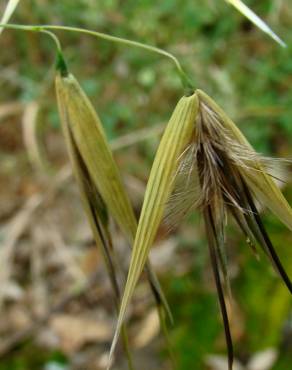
(92, 144)
(95, 152)
(97, 215)
(82, 126)
(176, 137)
(94, 206)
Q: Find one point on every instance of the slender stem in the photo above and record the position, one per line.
(41, 28)
(60, 62)
(55, 38)
(34, 29)
(184, 78)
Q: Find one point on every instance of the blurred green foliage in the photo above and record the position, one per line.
(240, 67)
(28, 357)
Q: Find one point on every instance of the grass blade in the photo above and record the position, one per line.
(9, 10)
(256, 20)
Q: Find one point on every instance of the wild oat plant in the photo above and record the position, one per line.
(203, 163)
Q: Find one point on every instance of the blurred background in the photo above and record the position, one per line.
(55, 300)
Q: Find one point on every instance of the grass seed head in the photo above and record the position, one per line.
(176, 138)
(98, 177)
(96, 212)
(89, 138)
(221, 173)
(94, 149)
(205, 162)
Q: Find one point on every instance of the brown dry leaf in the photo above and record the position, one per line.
(148, 330)
(75, 331)
(10, 109)
(18, 318)
(31, 137)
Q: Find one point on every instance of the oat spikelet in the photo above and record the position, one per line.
(97, 172)
(176, 138)
(90, 139)
(217, 172)
(221, 174)
(97, 215)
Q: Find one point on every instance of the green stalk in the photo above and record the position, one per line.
(185, 80)
(60, 61)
